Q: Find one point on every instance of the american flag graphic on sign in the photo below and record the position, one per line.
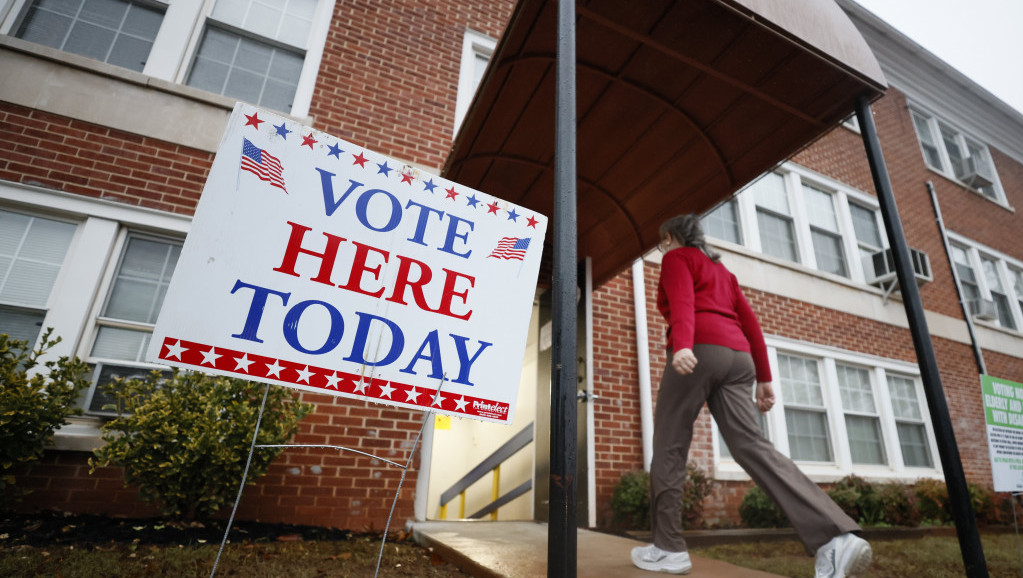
(511, 248)
(262, 164)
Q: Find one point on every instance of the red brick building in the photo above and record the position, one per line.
(103, 157)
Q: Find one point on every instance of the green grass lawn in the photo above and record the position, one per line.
(929, 557)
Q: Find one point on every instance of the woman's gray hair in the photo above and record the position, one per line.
(686, 230)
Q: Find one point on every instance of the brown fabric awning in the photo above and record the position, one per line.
(680, 104)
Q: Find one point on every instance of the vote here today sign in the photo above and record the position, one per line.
(320, 265)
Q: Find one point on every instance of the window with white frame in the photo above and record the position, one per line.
(986, 275)
(126, 320)
(477, 49)
(801, 217)
(952, 153)
(806, 415)
(32, 251)
(266, 52)
(112, 31)
(845, 410)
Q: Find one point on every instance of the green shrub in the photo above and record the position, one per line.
(859, 499)
(898, 503)
(932, 501)
(33, 404)
(696, 490)
(757, 510)
(630, 501)
(986, 504)
(183, 440)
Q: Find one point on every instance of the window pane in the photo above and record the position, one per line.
(808, 435)
(913, 441)
(955, 154)
(827, 248)
(107, 373)
(288, 21)
(865, 444)
(777, 237)
(857, 393)
(905, 403)
(117, 343)
(820, 208)
(722, 222)
(32, 251)
(20, 324)
(761, 419)
(800, 381)
(769, 192)
(865, 226)
(112, 31)
(927, 142)
(246, 69)
(141, 281)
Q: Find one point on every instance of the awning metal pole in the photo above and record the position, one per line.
(561, 536)
(955, 479)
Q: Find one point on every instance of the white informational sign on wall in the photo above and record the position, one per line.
(1003, 412)
(320, 265)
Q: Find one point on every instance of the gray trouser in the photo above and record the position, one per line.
(723, 378)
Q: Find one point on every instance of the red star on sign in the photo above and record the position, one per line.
(451, 192)
(492, 208)
(308, 140)
(253, 120)
(532, 222)
(360, 160)
(406, 178)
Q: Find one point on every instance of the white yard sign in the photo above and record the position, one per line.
(317, 264)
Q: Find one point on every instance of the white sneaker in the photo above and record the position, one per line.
(844, 556)
(656, 560)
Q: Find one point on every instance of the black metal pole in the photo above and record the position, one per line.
(955, 479)
(561, 536)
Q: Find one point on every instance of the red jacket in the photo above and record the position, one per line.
(702, 303)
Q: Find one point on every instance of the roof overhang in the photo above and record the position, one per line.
(680, 104)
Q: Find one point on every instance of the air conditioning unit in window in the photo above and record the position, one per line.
(879, 269)
(982, 309)
(976, 172)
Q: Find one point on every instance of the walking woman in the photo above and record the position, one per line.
(716, 351)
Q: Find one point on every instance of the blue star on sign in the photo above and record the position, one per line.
(335, 151)
(472, 201)
(513, 216)
(282, 130)
(429, 185)
(383, 169)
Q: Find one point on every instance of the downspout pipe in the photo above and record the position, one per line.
(958, 492)
(646, 412)
(977, 354)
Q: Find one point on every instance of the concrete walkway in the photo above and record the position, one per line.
(486, 549)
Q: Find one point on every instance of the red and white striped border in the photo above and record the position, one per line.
(290, 373)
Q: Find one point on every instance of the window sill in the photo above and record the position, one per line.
(726, 469)
(81, 434)
(951, 179)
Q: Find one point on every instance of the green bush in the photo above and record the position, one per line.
(898, 503)
(183, 440)
(859, 499)
(758, 510)
(630, 501)
(932, 501)
(986, 504)
(33, 404)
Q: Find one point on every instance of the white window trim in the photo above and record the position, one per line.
(794, 176)
(473, 44)
(933, 121)
(974, 251)
(173, 51)
(85, 274)
(725, 468)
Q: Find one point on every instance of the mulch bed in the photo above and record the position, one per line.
(60, 528)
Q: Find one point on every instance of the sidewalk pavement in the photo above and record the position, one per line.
(486, 549)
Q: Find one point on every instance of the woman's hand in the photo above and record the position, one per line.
(684, 361)
(765, 396)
